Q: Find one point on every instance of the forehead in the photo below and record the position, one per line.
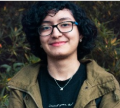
(59, 15)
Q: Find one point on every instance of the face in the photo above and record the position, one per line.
(57, 44)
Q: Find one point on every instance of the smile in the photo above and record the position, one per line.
(58, 43)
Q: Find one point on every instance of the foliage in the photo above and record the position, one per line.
(107, 50)
(9, 72)
(104, 11)
(15, 50)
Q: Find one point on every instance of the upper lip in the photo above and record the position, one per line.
(56, 42)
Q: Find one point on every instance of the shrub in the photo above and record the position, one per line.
(15, 51)
(107, 50)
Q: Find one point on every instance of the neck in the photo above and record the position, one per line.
(63, 69)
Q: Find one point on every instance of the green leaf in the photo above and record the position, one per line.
(8, 68)
(17, 65)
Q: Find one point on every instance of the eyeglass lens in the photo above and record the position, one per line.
(62, 27)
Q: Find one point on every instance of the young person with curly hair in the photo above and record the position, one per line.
(60, 34)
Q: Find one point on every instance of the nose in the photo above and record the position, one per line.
(56, 33)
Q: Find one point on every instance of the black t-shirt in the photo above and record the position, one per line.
(52, 96)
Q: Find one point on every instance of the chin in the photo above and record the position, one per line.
(59, 56)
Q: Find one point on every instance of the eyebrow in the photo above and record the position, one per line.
(65, 18)
(61, 19)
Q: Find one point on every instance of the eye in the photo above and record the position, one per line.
(66, 24)
(45, 28)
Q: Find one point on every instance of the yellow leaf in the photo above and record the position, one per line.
(15, 29)
(94, 7)
(14, 53)
(99, 23)
(99, 49)
(106, 41)
(113, 41)
(21, 9)
(109, 13)
(4, 96)
(115, 52)
(4, 8)
(113, 63)
(26, 56)
(8, 79)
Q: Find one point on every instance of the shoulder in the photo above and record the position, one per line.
(94, 69)
(99, 77)
(26, 75)
(97, 74)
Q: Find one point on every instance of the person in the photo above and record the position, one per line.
(61, 35)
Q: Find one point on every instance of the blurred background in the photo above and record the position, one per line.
(15, 51)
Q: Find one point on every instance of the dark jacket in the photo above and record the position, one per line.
(98, 83)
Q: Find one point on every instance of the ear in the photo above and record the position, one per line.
(80, 38)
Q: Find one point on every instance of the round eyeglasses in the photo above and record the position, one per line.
(63, 27)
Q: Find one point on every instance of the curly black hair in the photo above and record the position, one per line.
(34, 16)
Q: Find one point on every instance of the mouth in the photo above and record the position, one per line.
(58, 43)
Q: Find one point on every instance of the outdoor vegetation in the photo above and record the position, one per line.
(15, 51)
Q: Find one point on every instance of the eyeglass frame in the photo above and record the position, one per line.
(53, 26)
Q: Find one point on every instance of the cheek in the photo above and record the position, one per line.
(76, 36)
(42, 40)
(76, 32)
